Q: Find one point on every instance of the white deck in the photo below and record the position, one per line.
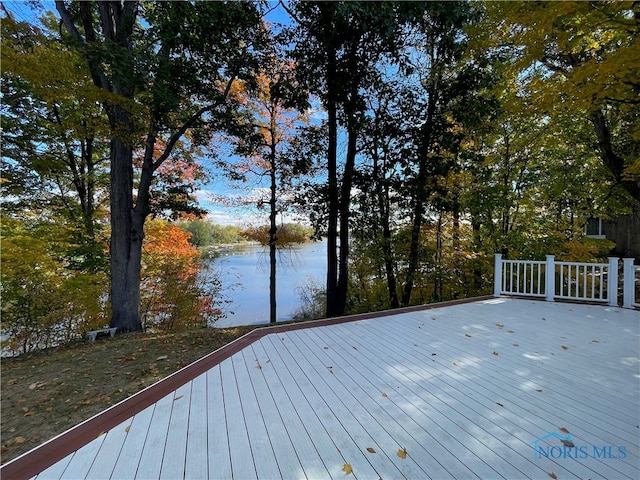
(304, 403)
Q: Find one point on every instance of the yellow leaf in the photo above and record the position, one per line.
(370, 450)
(20, 439)
(402, 453)
(127, 428)
(29, 413)
(347, 469)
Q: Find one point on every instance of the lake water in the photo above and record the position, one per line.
(244, 273)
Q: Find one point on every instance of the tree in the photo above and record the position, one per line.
(582, 58)
(177, 293)
(339, 48)
(440, 68)
(53, 159)
(272, 109)
(44, 302)
(163, 69)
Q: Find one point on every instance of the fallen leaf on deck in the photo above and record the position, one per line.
(178, 398)
(516, 345)
(595, 341)
(498, 403)
(499, 325)
(538, 390)
(433, 318)
(564, 430)
(354, 348)
(433, 354)
(552, 475)
(510, 331)
(467, 335)
(455, 364)
(347, 469)
(326, 348)
(370, 450)
(564, 347)
(568, 443)
(402, 453)
(496, 353)
(127, 428)
(384, 395)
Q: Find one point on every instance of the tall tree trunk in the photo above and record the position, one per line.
(344, 212)
(273, 229)
(420, 196)
(332, 172)
(382, 194)
(126, 233)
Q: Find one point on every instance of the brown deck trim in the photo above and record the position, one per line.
(43, 456)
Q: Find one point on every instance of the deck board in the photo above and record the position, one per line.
(196, 461)
(303, 403)
(137, 428)
(259, 439)
(154, 447)
(270, 420)
(219, 463)
(175, 449)
(108, 454)
(311, 464)
(80, 463)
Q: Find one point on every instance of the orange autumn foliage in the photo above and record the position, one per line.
(172, 295)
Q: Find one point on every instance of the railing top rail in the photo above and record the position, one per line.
(587, 264)
(536, 262)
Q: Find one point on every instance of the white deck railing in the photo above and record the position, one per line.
(549, 279)
(631, 275)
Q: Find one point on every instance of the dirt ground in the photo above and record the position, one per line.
(45, 393)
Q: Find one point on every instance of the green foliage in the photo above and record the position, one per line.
(205, 233)
(45, 302)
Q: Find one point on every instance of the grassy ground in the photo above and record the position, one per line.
(46, 393)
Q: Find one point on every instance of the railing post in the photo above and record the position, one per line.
(628, 279)
(612, 282)
(497, 275)
(550, 278)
